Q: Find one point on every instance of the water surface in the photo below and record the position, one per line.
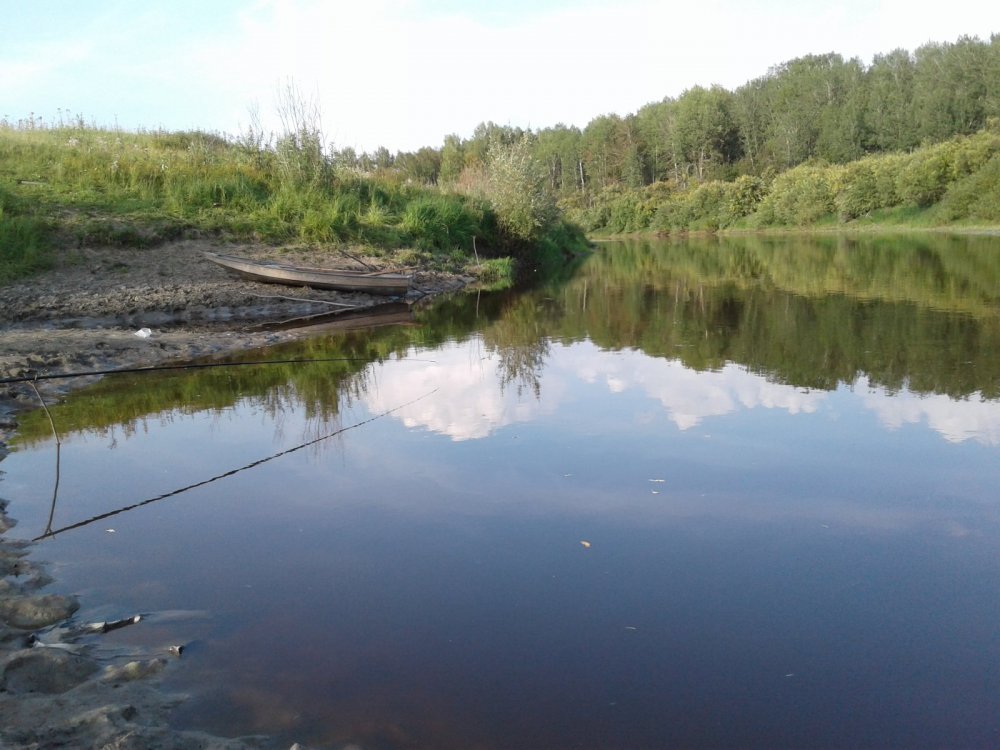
(734, 493)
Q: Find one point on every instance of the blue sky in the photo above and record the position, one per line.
(405, 73)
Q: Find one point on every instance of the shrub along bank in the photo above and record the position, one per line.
(956, 182)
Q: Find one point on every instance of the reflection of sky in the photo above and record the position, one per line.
(469, 405)
(956, 420)
(467, 402)
(792, 533)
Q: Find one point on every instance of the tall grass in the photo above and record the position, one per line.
(25, 240)
(91, 184)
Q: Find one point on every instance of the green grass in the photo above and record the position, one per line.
(100, 187)
(25, 247)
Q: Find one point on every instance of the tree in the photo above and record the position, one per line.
(889, 107)
(705, 135)
(803, 90)
(842, 123)
(655, 124)
(950, 88)
(421, 167)
(452, 159)
(558, 148)
(516, 189)
(752, 115)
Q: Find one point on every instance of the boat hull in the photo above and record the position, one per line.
(318, 278)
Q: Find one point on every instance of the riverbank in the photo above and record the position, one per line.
(84, 313)
(64, 683)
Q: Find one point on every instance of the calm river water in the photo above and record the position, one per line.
(738, 493)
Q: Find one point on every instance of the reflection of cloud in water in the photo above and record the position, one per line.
(688, 396)
(972, 418)
(468, 402)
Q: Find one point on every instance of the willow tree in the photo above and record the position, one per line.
(516, 189)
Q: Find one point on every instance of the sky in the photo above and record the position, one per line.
(405, 73)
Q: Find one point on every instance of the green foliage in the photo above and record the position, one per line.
(859, 195)
(440, 222)
(925, 178)
(802, 196)
(927, 175)
(25, 246)
(496, 273)
(516, 191)
(974, 197)
(963, 170)
(25, 239)
(139, 189)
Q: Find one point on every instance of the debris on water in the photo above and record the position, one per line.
(656, 492)
(790, 674)
(585, 544)
(658, 481)
(107, 627)
(631, 627)
(144, 333)
(110, 531)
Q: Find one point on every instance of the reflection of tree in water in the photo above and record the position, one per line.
(522, 365)
(519, 338)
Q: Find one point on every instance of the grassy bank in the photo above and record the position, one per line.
(73, 186)
(955, 184)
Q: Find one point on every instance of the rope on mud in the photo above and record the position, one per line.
(55, 434)
(50, 533)
(199, 366)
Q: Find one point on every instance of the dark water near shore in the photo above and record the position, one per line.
(783, 455)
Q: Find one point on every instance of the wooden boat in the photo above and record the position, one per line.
(371, 282)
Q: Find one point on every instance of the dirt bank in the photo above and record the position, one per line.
(83, 314)
(60, 685)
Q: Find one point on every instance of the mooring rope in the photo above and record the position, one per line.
(50, 533)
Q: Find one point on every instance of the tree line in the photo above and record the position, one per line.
(816, 107)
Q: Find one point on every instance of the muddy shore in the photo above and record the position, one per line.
(61, 684)
(83, 314)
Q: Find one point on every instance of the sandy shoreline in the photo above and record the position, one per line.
(60, 684)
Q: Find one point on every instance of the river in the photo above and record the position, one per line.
(700, 493)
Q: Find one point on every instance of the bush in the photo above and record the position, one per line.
(858, 195)
(976, 196)
(803, 195)
(925, 178)
(516, 190)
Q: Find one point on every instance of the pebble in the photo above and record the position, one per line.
(36, 612)
(46, 670)
(134, 670)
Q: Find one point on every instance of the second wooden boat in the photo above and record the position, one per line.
(373, 282)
